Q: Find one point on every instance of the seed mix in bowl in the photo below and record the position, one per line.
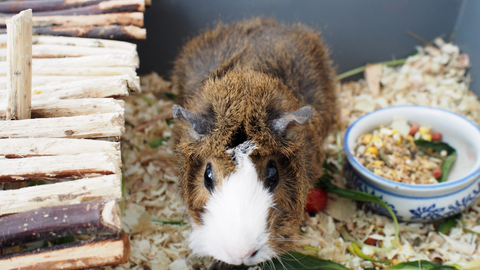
(398, 153)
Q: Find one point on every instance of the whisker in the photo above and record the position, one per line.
(280, 261)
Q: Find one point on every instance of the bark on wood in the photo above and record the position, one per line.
(131, 18)
(63, 193)
(96, 252)
(81, 86)
(85, 126)
(19, 66)
(107, 32)
(78, 42)
(59, 51)
(58, 167)
(60, 221)
(29, 147)
(113, 6)
(44, 5)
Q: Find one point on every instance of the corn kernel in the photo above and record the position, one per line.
(378, 172)
(394, 174)
(427, 137)
(371, 150)
(377, 163)
(367, 138)
(36, 92)
(424, 130)
(377, 141)
(397, 138)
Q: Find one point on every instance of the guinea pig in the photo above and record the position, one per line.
(256, 102)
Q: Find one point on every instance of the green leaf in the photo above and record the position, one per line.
(169, 121)
(448, 224)
(439, 146)
(421, 265)
(156, 143)
(447, 164)
(164, 221)
(299, 261)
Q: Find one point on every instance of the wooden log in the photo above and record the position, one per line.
(44, 5)
(58, 167)
(95, 252)
(85, 126)
(78, 42)
(107, 60)
(130, 18)
(76, 107)
(60, 51)
(112, 6)
(78, 71)
(62, 193)
(30, 147)
(19, 66)
(72, 107)
(60, 221)
(115, 86)
(108, 32)
(80, 86)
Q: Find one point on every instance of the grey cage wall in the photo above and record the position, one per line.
(356, 31)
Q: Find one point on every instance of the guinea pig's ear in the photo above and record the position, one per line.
(280, 125)
(198, 122)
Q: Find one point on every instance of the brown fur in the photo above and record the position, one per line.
(241, 77)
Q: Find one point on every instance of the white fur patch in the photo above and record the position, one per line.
(235, 218)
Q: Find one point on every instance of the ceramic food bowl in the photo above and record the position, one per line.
(425, 202)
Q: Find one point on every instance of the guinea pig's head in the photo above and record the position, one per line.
(243, 148)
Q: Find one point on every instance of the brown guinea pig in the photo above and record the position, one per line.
(257, 102)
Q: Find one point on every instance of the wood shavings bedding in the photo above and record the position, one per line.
(435, 76)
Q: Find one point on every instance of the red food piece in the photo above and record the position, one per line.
(316, 201)
(370, 241)
(436, 136)
(437, 173)
(414, 129)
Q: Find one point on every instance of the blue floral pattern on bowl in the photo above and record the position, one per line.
(418, 209)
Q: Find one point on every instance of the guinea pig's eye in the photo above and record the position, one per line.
(208, 178)
(271, 181)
